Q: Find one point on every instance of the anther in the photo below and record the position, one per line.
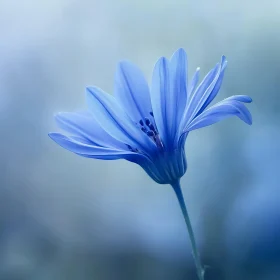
(147, 121)
(150, 133)
(151, 127)
(141, 122)
(152, 114)
(144, 129)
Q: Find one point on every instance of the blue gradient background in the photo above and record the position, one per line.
(67, 217)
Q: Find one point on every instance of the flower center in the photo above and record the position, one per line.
(148, 126)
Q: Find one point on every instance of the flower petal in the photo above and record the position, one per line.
(241, 98)
(193, 83)
(84, 125)
(132, 91)
(178, 80)
(205, 92)
(211, 94)
(78, 146)
(161, 102)
(220, 111)
(115, 121)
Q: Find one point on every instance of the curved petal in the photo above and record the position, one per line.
(190, 91)
(241, 98)
(132, 91)
(115, 121)
(211, 94)
(193, 82)
(220, 111)
(178, 80)
(84, 125)
(161, 99)
(79, 146)
(205, 92)
(190, 111)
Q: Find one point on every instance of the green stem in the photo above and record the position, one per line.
(199, 269)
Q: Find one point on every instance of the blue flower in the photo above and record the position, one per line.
(149, 126)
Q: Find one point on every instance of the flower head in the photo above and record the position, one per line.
(149, 126)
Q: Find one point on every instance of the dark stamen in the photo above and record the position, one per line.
(144, 129)
(151, 127)
(147, 121)
(150, 133)
(148, 126)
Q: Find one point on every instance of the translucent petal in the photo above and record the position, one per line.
(78, 146)
(220, 111)
(191, 108)
(115, 121)
(204, 93)
(161, 102)
(241, 98)
(178, 100)
(210, 94)
(193, 83)
(132, 91)
(83, 124)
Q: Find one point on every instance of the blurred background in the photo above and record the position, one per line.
(67, 217)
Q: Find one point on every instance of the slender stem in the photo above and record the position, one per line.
(199, 269)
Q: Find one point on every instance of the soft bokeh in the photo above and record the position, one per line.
(67, 217)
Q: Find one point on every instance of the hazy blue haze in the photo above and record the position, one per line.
(66, 217)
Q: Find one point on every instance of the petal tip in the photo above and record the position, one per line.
(223, 61)
(246, 99)
(88, 89)
(57, 115)
(161, 63)
(178, 56)
(250, 120)
(121, 66)
(53, 135)
(181, 51)
(90, 92)
(163, 59)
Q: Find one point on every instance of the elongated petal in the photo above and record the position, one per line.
(114, 120)
(132, 91)
(78, 146)
(161, 99)
(193, 83)
(191, 89)
(241, 98)
(220, 111)
(207, 89)
(211, 94)
(84, 125)
(205, 92)
(191, 109)
(178, 100)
